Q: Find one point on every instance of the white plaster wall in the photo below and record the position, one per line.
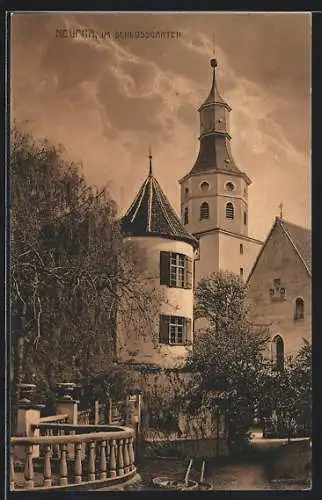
(143, 347)
(220, 251)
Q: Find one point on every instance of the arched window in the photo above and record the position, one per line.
(204, 210)
(229, 211)
(299, 308)
(278, 353)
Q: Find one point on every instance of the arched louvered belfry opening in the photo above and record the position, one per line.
(278, 353)
(299, 308)
(204, 210)
(230, 211)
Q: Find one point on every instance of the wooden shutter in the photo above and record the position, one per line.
(164, 329)
(164, 268)
(187, 331)
(188, 273)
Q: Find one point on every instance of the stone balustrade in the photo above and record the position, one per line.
(54, 419)
(74, 457)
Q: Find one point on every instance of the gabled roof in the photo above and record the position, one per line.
(299, 237)
(151, 214)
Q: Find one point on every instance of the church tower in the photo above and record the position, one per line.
(214, 195)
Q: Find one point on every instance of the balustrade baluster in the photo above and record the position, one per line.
(12, 469)
(29, 468)
(103, 463)
(78, 463)
(91, 461)
(47, 465)
(126, 456)
(120, 458)
(112, 459)
(63, 481)
(131, 453)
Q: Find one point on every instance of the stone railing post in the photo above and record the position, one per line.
(112, 459)
(78, 463)
(120, 458)
(96, 412)
(66, 404)
(103, 462)
(28, 415)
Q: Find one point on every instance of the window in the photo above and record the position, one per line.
(278, 291)
(204, 211)
(174, 330)
(229, 211)
(204, 186)
(186, 215)
(241, 249)
(175, 270)
(278, 353)
(230, 186)
(299, 309)
(245, 218)
(186, 191)
(241, 272)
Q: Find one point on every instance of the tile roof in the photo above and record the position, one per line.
(151, 214)
(301, 238)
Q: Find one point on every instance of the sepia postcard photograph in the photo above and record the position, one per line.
(159, 194)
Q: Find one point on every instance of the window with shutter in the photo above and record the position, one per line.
(164, 329)
(187, 331)
(229, 210)
(188, 272)
(174, 330)
(176, 270)
(165, 268)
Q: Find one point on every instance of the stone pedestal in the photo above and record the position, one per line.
(68, 406)
(65, 403)
(28, 414)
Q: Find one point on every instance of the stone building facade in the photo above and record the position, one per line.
(280, 292)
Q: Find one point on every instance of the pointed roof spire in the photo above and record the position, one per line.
(214, 97)
(150, 162)
(151, 214)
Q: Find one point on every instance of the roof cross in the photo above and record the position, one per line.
(280, 206)
(150, 162)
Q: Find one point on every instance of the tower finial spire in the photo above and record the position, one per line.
(150, 161)
(213, 45)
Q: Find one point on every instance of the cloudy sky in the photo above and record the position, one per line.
(107, 99)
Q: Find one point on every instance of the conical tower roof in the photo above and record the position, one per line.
(151, 214)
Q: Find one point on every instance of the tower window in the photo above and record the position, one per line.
(229, 186)
(204, 186)
(174, 330)
(245, 218)
(241, 248)
(299, 309)
(229, 211)
(278, 353)
(204, 211)
(186, 191)
(175, 270)
(241, 272)
(186, 215)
